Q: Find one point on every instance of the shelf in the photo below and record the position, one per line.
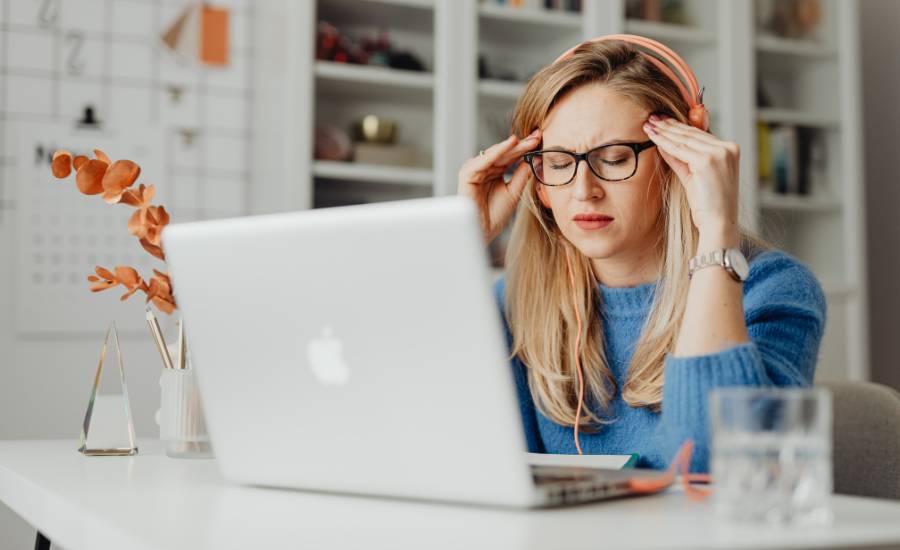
(349, 171)
(770, 200)
(374, 82)
(796, 117)
(368, 74)
(411, 15)
(500, 89)
(671, 32)
(770, 44)
(536, 17)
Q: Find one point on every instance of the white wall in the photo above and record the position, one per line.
(46, 379)
(880, 20)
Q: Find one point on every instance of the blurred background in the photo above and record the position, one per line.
(236, 107)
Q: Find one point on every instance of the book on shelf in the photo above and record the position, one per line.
(560, 5)
(786, 157)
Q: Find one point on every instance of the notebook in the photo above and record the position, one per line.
(609, 462)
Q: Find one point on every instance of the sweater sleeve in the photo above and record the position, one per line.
(785, 311)
(523, 393)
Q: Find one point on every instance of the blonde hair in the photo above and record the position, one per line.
(538, 298)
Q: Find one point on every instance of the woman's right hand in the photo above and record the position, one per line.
(481, 178)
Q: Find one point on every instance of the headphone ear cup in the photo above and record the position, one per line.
(698, 117)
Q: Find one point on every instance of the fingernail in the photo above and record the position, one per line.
(534, 134)
(655, 118)
(649, 128)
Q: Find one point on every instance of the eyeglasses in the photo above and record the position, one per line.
(614, 162)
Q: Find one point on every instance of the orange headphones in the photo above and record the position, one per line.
(676, 69)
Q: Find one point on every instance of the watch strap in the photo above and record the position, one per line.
(707, 259)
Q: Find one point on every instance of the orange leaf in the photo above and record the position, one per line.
(136, 224)
(62, 164)
(90, 177)
(153, 249)
(105, 273)
(164, 305)
(79, 161)
(103, 285)
(128, 276)
(131, 197)
(102, 156)
(120, 176)
(129, 293)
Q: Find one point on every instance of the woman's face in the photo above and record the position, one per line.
(588, 117)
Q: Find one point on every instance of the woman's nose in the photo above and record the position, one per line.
(587, 185)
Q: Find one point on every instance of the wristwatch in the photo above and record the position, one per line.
(731, 259)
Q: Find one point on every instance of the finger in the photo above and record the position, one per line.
(688, 139)
(492, 153)
(676, 148)
(676, 127)
(680, 168)
(523, 147)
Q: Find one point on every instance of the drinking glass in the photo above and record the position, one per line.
(771, 454)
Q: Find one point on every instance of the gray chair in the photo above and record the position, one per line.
(866, 439)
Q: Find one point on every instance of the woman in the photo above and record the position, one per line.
(615, 341)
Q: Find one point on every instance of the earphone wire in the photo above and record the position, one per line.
(577, 352)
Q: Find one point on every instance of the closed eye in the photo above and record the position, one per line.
(615, 162)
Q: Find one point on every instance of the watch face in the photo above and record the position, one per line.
(738, 263)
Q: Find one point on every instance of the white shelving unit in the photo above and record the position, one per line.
(449, 113)
(815, 83)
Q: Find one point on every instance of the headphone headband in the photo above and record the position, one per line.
(669, 63)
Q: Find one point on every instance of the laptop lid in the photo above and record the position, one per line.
(353, 349)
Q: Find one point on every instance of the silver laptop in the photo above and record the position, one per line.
(359, 349)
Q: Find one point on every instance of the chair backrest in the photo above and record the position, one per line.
(866, 439)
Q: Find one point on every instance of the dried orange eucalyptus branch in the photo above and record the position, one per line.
(113, 181)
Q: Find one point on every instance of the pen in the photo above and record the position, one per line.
(158, 337)
(182, 346)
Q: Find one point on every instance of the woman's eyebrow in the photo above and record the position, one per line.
(610, 142)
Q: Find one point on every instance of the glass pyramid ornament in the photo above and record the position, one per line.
(108, 429)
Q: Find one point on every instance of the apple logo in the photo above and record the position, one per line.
(326, 359)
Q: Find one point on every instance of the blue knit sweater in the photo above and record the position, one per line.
(784, 308)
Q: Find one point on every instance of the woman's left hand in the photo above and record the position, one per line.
(707, 167)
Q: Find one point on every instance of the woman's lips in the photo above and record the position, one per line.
(592, 221)
(593, 224)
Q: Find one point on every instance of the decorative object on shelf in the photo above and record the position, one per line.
(500, 71)
(375, 129)
(108, 429)
(557, 5)
(377, 144)
(798, 19)
(332, 45)
(664, 11)
(200, 34)
(332, 143)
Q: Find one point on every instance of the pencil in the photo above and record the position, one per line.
(158, 338)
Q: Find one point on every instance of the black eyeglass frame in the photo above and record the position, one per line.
(638, 148)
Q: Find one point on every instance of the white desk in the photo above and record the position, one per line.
(152, 501)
